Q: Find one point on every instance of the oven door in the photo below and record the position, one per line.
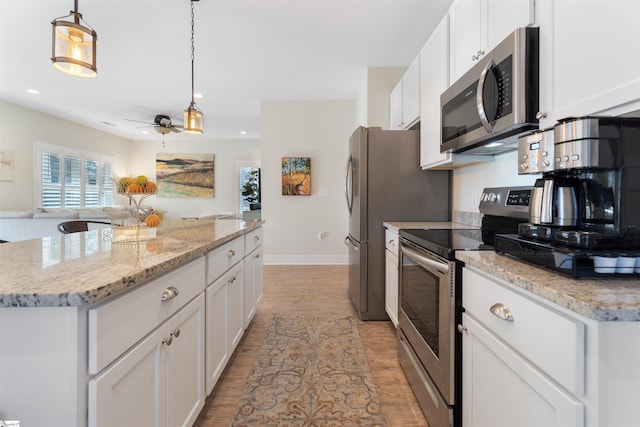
(427, 300)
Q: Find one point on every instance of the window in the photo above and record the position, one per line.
(69, 179)
(249, 185)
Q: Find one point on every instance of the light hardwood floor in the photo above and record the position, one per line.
(306, 290)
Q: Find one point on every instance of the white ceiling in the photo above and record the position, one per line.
(246, 51)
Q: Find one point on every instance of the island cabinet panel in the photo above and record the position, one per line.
(391, 272)
(118, 324)
(253, 266)
(160, 381)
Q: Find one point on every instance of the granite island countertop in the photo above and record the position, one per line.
(84, 268)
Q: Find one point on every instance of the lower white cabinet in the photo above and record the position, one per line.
(158, 382)
(391, 275)
(252, 284)
(503, 389)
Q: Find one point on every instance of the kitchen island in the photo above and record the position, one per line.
(100, 330)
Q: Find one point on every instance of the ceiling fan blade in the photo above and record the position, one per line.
(139, 121)
(174, 129)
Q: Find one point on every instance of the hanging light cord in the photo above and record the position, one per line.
(192, 54)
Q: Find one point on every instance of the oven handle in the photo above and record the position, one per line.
(425, 261)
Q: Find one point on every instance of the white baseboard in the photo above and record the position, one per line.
(306, 259)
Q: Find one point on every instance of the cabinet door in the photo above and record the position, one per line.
(235, 302)
(252, 284)
(130, 393)
(411, 94)
(434, 76)
(598, 75)
(391, 286)
(217, 351)
(395, 105)
(504, 16)
(467, 38)
(185, 364)
(501, 389)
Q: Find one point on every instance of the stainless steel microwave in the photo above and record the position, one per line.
(494, 102)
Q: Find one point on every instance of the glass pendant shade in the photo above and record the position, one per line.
(74, 48)
(193, 120)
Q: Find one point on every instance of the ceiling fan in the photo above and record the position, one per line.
(162, 124)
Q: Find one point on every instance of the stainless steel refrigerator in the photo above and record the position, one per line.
(384, 182)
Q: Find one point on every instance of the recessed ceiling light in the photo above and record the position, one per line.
(198, 95)
(34, 91)
(145, 132)
(243, 132)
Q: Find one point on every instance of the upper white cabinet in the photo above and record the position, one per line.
(479, 25)
(589, 58)
(405, 98)
(434, 79)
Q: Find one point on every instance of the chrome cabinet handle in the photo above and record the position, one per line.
(461, 328)
(256, 238)
(169, 293)
(176, 333)
(231, 253)
(540, 115)
(167, 341)
(392, 242)
(502, 311)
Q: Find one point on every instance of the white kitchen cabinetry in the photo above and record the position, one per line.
(160, 381)
(252, 274)
(405, 98)
(529, 362)
(434, 79)
(392, 245)
(598, 75)
(477, 26)
(224, 301)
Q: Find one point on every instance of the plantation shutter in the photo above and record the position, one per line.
(51, 182)
(72, 182)
(108, 195)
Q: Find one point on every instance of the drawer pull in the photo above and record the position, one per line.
(167, 341)
(392, 242)
(257, 256)
(256, 238)
(176, 333)
(231, 253)
(169, 293)
(502, 311)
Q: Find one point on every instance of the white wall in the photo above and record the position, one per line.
(21, 127)
(320, 130)
(227, 153)
(468, 182)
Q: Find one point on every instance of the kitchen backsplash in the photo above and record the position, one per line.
(473, 219)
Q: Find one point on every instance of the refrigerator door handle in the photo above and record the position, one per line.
(348, 183)
(347, 241)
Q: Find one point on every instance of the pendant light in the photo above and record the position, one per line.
(74, 46)
(193, 117)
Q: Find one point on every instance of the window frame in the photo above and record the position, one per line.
(84, 156)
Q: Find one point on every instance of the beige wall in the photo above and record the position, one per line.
(320, 130)
(21, 127)
(227, 154)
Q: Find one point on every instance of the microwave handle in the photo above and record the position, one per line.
(479, 98)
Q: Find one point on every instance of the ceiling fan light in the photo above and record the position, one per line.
(74, 47)
(193, 120)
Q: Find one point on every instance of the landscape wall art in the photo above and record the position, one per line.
(296, 176)
(185, 175)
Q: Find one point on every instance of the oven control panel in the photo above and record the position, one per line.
(506, 201)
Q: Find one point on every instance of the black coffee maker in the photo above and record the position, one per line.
(589, 204)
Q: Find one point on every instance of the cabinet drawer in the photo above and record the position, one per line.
(551, 340)
(391, 241)
(223, 258)
(253, 240)
(118, 324)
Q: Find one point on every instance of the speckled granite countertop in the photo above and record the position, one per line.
(608, 300)
(83, 268)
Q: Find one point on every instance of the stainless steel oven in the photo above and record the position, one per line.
(429, 309)
(430, 301)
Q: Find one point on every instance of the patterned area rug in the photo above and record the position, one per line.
(311, 372)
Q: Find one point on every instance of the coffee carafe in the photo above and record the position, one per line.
(554, 201)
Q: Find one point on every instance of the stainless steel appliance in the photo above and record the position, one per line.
(429, 347)
(384, 182)
(486, 109)
(586, 209)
